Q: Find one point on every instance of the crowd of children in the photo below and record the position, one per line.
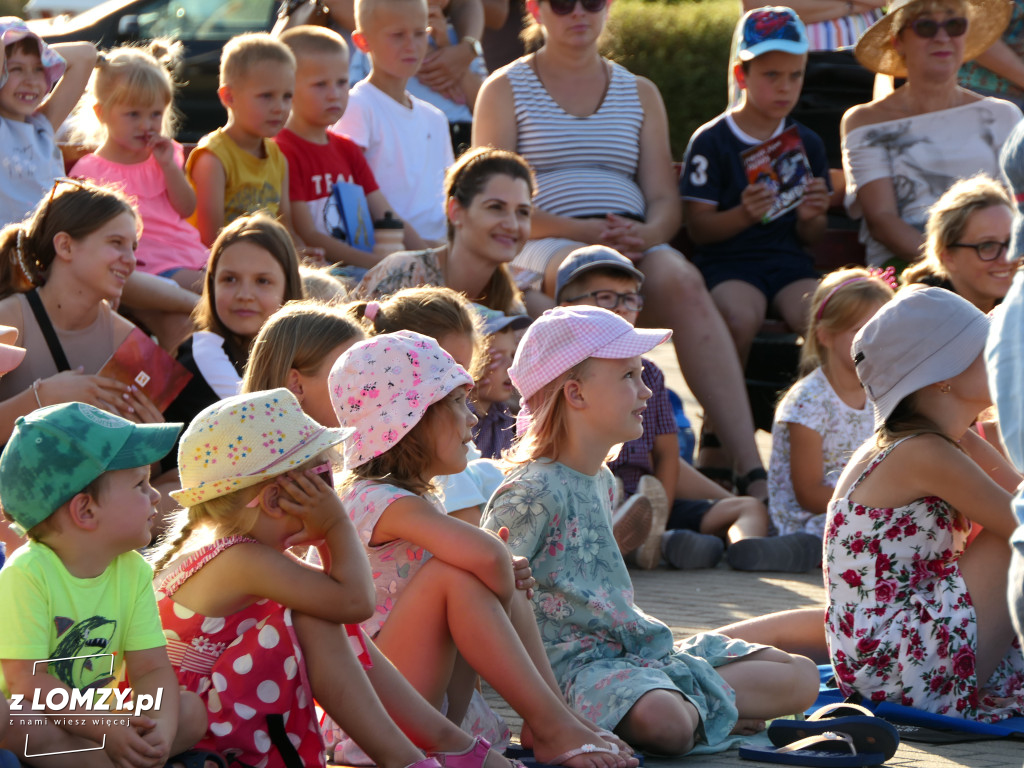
(382, 481)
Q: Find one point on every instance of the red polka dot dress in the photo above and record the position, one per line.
(248, 669)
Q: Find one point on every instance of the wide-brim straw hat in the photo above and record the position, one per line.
(986, 21)
(245, 439)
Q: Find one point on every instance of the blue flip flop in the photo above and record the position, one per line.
(869, 733)
(833, 750)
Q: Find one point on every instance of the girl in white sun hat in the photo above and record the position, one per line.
(444, 587)
(578, 371)
(254, 631)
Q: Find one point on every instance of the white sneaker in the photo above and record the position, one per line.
(648, 556)
(631, 523)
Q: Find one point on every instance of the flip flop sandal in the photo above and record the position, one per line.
(196, 758)
(869, 733)
(525, 754)
(835, 750)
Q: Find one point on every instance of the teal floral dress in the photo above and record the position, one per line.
(605, 651)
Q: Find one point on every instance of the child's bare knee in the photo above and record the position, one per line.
(806, 682)
(663, 722)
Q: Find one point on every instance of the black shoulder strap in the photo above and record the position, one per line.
(43, 319)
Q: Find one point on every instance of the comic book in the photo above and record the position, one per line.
(142, 362)
(782, 165)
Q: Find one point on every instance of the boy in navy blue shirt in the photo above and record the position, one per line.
(746, 262)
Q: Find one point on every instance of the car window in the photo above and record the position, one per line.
(204, 20)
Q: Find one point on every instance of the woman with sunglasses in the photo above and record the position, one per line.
(903, 150)
(61, 271)
(597, 137)
(967, 243)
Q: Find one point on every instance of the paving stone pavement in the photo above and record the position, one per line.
(697, 601)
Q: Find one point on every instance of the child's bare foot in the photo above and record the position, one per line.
(575, 745)
(748, 727)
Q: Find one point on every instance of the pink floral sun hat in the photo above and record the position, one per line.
(243, 440)
(381, 388)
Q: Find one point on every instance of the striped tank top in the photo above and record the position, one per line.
(843, 32)
(585, 166)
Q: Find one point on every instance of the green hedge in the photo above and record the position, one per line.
(683, 47)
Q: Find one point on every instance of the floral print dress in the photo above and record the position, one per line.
(901, 626)
(605, 651)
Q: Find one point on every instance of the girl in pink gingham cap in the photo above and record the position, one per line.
(578, 370)
(444, 588)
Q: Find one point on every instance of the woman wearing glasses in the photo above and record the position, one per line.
(902, 151)
(597, 138)
(967, 246)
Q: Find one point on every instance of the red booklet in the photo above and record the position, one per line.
(781, 164)
(142, 362)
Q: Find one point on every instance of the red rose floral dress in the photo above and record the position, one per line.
(901, 626)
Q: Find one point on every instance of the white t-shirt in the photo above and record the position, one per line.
(408, 149)
(29, 162)
(812, 403)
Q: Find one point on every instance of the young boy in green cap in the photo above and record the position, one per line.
(75, 480)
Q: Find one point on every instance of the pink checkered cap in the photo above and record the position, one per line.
(381, 387)
(566, 336)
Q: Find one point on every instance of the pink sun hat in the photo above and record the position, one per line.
(13, 29)
(10, 355)
(564, 337)
(381, 388)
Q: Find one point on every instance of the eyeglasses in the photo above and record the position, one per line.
(990, 250)
(565, 7)
(929, 28)
(633, 302)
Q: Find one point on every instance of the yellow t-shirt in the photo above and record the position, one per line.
(250, 183)
(49, 614)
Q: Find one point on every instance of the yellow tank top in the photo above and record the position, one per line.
(251, 183)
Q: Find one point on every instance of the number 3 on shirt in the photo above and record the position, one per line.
(699, 174)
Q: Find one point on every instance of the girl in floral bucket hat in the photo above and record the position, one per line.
(444, 588)
(578, 370)
(253, 630)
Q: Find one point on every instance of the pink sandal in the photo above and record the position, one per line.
(426, 762)
(473, 757)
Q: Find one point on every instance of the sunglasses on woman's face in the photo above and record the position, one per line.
(929, 28)
(565, 7)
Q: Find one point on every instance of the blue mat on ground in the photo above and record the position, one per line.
(898, 714)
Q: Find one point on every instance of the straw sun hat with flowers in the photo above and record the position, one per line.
(986, 20)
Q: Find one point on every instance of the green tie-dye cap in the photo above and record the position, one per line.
(57, 451)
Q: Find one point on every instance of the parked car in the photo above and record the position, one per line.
(44, 9)
(203, 26)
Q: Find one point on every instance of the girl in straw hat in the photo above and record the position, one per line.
(254, 631)
(902, 151)
(916, 615)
